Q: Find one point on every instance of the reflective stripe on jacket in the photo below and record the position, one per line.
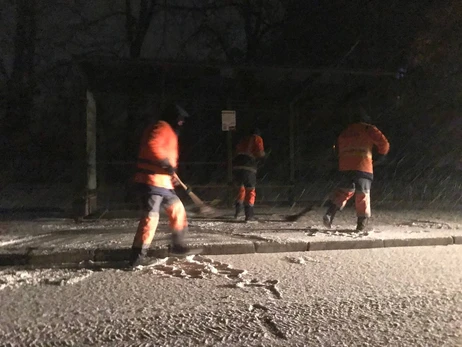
(355, 145)
(158, 143)
(248, 151)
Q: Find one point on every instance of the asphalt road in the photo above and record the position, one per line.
(379, 297)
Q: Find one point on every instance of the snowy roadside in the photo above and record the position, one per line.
(44, 242)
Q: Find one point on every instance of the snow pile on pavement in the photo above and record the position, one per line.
(12, 278)
(426, 224)
(269, 285)
(301, 260)
(194, 266)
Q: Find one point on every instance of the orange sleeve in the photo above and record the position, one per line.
(259, 149)
(379, 139)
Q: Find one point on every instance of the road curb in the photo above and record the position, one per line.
(59, 256)
(108, 254)
(278, 247)
(423, 241)
(228, 248)
(55, 256)
(344, 244)
(13, 257)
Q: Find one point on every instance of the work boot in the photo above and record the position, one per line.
(362, 223)
(329, 216)
(238, 209)
(249, 214)
(137, 257)
(179, 248)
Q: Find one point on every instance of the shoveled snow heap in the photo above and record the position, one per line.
(13, 278)
(193, 266)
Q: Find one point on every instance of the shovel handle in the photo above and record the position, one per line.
(180, 182)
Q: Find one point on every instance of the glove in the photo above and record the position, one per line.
(380, 159)
(265, 157)
(175, 181)
(165, 164)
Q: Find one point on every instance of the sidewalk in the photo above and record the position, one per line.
(45, 242)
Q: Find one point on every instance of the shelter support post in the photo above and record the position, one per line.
(85, 202)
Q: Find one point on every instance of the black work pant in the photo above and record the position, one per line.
(358, 184)
(246, 180)
(151, 200)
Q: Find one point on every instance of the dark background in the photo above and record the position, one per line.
(404, 54)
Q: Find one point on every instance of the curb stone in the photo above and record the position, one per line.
(122, 254)
(344, 244)
(424, 241)
(13, 257)
(108, 254)
(457, 240)
(277, 247)
(229, 248)
(47, 256)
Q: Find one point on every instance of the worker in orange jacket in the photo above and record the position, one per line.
(354, 149)
(248, 151)
(154, 181)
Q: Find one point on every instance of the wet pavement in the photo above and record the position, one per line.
(377, 297)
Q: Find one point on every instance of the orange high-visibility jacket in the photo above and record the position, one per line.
(355, 145)
(248, 150)
(159, 142)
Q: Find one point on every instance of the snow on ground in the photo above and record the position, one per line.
(377, 297)
(194, 266)
(14, 278)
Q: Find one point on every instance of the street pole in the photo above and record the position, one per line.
(229, 137)
(228, 119)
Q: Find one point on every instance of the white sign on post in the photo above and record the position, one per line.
(228, 120)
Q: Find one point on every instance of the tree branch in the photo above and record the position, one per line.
(82, 26)
(164, 30)
(145, 18)
(218, 36)
(129, 21)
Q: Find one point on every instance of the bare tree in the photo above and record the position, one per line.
(240, 29)
(260, 18)
(137, 27)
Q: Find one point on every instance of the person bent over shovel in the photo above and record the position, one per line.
(154, 181)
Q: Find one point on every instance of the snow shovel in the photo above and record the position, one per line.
(297, 216)
(203, 208)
